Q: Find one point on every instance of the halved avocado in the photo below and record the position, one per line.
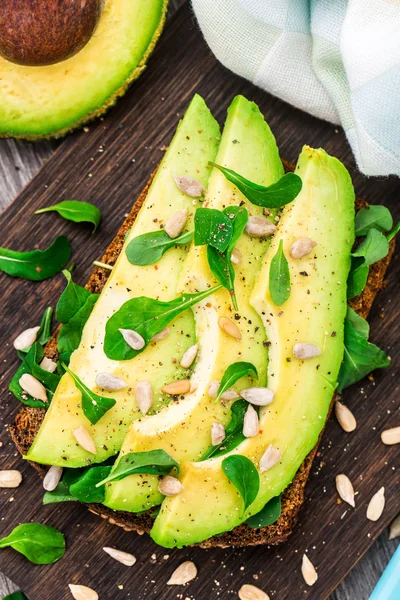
(314, 313)
(183, 429)
(50, 100)
(194, 144)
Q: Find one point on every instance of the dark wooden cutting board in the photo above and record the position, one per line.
(109, 165)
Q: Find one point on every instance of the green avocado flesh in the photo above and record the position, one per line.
(183, 429)
(314, 313)
(49, 100)
(194, 144)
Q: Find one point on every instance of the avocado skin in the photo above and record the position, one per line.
(49, 126)
(303, 389)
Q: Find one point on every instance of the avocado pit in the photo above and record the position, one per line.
(45, 32)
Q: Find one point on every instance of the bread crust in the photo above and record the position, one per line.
(27, 422)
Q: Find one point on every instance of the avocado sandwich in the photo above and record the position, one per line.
(187, 387)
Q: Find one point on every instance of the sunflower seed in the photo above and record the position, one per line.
(190, 186)
(123, 557)
(251, 592)
(26, 339)
(395, 528)
(109, 382)
(132, 338)
(181, 386)
(391, 436)
(230, 327)
(213, 388)
(345, 417)
(52, 478)
(175, 224)
(260, 396)
(229, 394)
(189, 356)
(345, 489)
(48, 365)
(269, 459)
(259, 227)
(33, 387)
(304, 351)
(161, 335)
(301, 247)
(308, 571)
(144, 396)
(236, 256)
(250, 423)
(217, 434)
(186, 572)
(84, 439)
(10, 479)
(376, 505)
(81, 592)
(170, 486)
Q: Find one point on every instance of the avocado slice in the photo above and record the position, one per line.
(183, 429)
(49, 101)
(195, 143)
(314, 313)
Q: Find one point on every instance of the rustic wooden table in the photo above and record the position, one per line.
(19, 162)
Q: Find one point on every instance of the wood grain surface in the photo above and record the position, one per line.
(109, 165)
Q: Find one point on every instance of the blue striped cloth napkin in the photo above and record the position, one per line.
(336, 59)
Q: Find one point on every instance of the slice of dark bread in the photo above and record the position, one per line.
(27, 422)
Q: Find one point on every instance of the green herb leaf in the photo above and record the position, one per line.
(233, 432)
(373, 248)
(70, 334)
(60, 494)
(220, 262)
(394, 232)
(71, 300)
(76, 211)
(220, 268)
(80, 484)
(147, 317)
(273, 196)
(279, 277)
(94, 406)
(357, 277)
(16, 596)
(148, 248)
(242, 473)
(153, 462)
(30, 364)
(238, 411)
(358, 323)
(239, 217)
(44, 333)
(37, 264)
(41, 544)
(233, 373)
(212, 228)
(373, 217)
(86, 488)
(360, 357)
(267, 515)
